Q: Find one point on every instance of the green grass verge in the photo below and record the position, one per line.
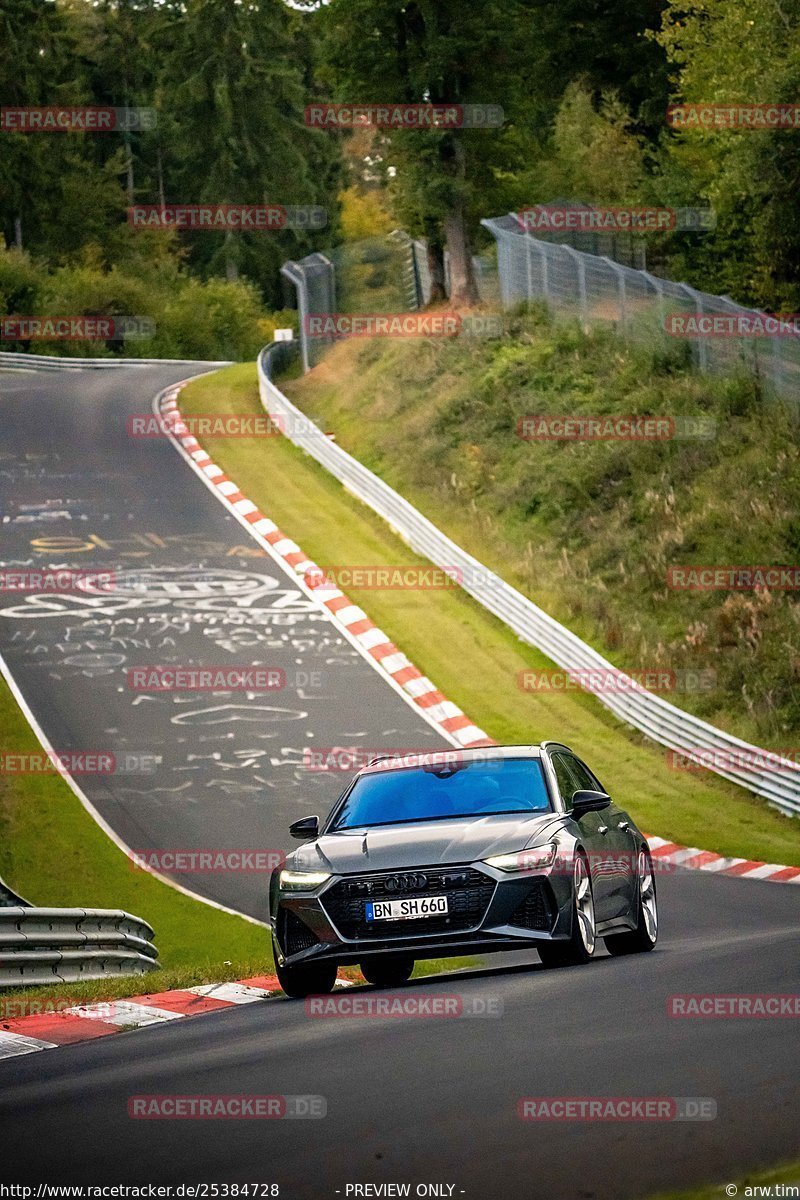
(746, 1186)
(589, 530)
(55, 855)
(469, 654)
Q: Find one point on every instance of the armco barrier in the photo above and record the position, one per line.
(735, 760)
(66, 945)
(47, 362)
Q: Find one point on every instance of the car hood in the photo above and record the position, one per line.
(422, 844)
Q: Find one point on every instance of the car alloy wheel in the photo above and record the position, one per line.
(582, 943)
(645, 935)
(584, 905)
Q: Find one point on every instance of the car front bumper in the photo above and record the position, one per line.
(513, 911)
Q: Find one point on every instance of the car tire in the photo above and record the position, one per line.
(645, 935)
(387, 972)
(313, 979)
(583, 940)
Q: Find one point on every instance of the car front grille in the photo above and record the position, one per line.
(536, 910)
(295, 934)
(468, 894)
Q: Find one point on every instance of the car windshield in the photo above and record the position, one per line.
(437, 792)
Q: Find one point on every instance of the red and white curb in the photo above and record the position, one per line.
(384, 655)
(708, 860)
(82, 1022)
(46, 1030)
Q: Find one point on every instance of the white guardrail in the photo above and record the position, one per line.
(66, 945)
(47, 362)
(764, 772)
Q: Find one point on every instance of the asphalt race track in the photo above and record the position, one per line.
(190, 587)
(409, 1100)
(413, 1100)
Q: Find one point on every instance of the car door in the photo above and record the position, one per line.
(617, 862)
(593, 828)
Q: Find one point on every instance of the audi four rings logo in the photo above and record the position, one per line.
(405, 883)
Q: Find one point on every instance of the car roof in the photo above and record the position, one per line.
(393, 761)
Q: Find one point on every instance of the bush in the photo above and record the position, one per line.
(189, 318)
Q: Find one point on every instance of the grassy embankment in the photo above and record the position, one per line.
(363, 393)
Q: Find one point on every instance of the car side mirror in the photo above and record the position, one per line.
(588, 801)
(305, 828)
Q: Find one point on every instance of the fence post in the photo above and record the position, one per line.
(545, 270)
(581, 266)
(659, 290)
(295, 274)
(620, 277)
(702, 348)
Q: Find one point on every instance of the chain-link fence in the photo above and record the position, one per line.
(388, 274)
(596, 288)
(374, 275)
(392, 274)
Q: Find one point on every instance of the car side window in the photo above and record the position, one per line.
(585, 780)
(564, 778)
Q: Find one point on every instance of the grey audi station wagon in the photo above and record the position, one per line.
(461, 852)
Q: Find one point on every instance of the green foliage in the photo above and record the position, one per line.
(726, 53)
(229, 83)
(589, 529)
(364, 214)
(594, 153)
(192, 318)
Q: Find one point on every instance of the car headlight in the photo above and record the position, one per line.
(525, 860)
(302, 881)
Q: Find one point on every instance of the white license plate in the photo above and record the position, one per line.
(401, 910)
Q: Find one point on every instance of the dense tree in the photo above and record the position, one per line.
(726, 53)
(438, 52)
(583, 85)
